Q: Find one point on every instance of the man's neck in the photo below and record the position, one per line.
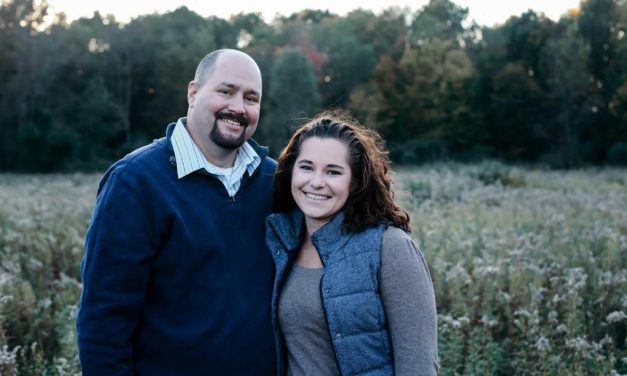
(218, 156)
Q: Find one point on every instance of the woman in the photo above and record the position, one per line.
(352, 292)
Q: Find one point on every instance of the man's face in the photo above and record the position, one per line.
(224, 110)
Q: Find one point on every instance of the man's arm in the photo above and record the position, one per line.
(119, 246)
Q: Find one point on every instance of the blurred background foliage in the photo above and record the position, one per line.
(77, 96)
(529, 267)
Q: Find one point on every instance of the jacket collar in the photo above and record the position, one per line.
(331, 237)
(289, 229)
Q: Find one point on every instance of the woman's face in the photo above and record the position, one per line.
(321, 179)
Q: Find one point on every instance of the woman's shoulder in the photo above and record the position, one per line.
(401, 256)
(395, 236)
(398, 245)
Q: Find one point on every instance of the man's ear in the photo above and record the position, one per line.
(192, 90)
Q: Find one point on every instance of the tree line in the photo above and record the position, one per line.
(79, 95)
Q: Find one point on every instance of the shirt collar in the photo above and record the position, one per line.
(189, 158)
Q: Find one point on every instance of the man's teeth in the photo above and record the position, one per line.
(232, 122)
(316, 197)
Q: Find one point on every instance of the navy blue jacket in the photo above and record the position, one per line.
(349, 289)
(177, 279)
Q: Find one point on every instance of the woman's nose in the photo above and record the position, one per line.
(317, 180)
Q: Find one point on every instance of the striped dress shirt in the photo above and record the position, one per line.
(189, 158)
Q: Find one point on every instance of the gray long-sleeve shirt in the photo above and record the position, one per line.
(409, 303)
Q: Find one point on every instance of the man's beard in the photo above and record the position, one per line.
(221, 139)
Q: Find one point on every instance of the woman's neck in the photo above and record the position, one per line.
(313, 225)
(308, 256)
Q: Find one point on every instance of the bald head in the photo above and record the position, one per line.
(224, 101)
(207, 64)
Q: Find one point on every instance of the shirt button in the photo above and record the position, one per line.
(338, 335)
(327, 290)
(277, 252)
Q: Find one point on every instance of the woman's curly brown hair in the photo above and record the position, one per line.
(371, 200)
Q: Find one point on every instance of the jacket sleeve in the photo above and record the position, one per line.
(409, 303)
(120, 242)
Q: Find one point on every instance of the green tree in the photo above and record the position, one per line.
(526, 35)
(564, 63)
(19, 22)
(618, 103)
(515, 113)
(348, 61)
(100, 127)
(510, 93)
(385, 33)
(420, 103)
(295, 97)
(598, 21)
(601, 23)
(440, 19)
(44, 145)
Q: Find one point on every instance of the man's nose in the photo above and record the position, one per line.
(236, 104)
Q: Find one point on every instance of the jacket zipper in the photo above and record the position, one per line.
(326, 317)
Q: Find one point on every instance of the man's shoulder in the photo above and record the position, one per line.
(268, 163)
(144, 157)
(265, 171)
(148, 161)
(155, 152)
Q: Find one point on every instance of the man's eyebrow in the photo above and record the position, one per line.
(229, 85)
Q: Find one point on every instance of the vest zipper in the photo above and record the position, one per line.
(324, 308)
(326, 317)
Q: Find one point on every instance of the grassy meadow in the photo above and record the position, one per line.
(529, 267)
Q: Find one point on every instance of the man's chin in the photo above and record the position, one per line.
(229, 143)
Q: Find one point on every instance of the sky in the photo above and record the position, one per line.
(485, 12)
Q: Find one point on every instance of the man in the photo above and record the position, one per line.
(177, 279)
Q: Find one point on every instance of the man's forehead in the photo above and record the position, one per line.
(237, 70)
(237, 62)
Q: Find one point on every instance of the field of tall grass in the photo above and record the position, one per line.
(529, 267)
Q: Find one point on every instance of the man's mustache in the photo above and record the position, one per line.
(240, 118)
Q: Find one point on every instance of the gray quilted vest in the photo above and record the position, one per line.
(349, 290)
